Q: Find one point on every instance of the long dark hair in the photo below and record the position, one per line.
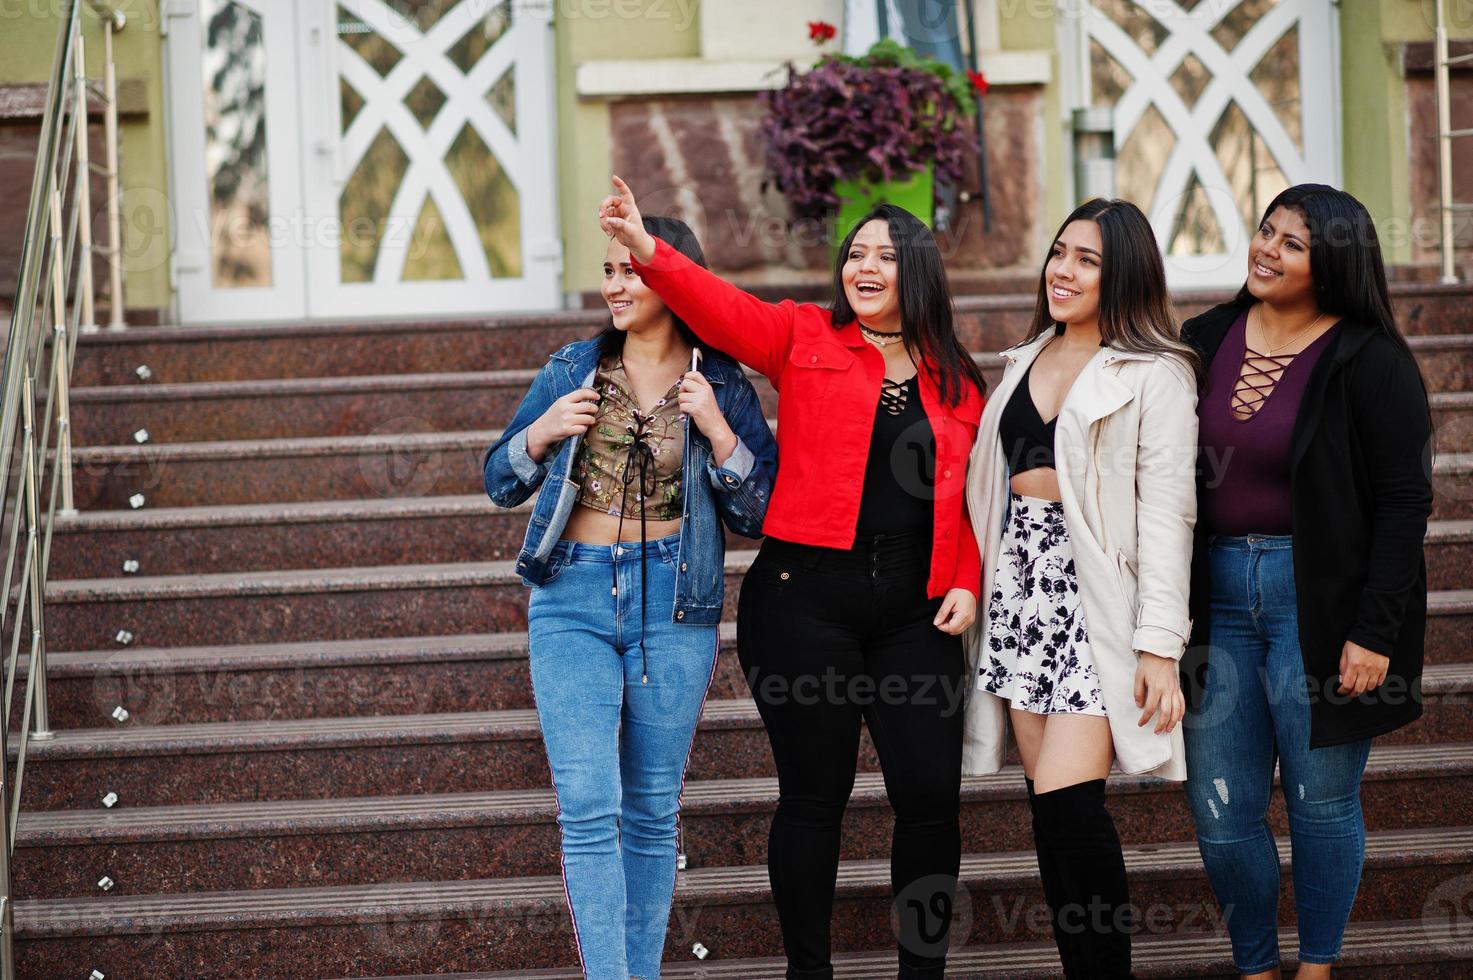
(678, 235)
(927, 319)
(1135, 308)
(1344, 257)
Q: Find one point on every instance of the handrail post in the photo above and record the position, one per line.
(58, 334)
(37, 666)
(7, 910)
(114, 204)
(61, 349)
(1444, 145)
(88, 320)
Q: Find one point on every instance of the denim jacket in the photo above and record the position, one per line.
(736, 493)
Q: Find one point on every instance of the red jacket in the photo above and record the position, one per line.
(829, 384)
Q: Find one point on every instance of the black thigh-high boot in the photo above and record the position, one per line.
(1080, 850)
(1048, 874)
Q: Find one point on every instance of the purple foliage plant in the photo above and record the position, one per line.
(879, 116)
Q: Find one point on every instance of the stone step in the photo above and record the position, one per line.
(386, 531)
(374, 675)
(1452, 486)
(1449, 552)
(299, 534)
(283, 408)
(1370, 950)
(1452, 419)
(304, 350)
(368, 840)
(390, 404)
(299, 604)
(521, 923)
(320, 679)
(318, 350)
(201, 474)
(276, 606)
(195, 474)
(443, 752)
(354, 603)
(1446, 361)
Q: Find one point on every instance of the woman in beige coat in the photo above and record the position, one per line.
(1085, 524)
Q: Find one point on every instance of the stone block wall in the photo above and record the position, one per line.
(701, 158)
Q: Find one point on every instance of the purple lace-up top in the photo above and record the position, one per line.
(1246, 430)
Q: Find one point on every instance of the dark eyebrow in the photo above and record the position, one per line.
(1082, 248)
(1288, 234)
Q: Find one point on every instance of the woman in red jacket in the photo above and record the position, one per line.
(869, 571)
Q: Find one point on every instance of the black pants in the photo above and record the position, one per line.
(827, 637)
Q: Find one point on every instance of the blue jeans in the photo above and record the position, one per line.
(1255, 709)
(617, 747)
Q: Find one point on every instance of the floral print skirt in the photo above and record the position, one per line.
(1036, 653)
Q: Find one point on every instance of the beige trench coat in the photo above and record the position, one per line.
(1125, 448)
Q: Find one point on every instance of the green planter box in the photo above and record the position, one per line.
(856, 197)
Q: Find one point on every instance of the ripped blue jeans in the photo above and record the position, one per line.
(1253, 712)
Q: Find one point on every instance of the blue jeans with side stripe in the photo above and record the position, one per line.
(617, 747)
(1253, 712)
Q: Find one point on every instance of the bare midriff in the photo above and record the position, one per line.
(589, 526)
(1041, 482)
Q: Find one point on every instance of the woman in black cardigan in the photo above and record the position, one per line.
(1309, 590)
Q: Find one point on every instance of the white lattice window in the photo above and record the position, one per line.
(1218, 106)
(441, 171)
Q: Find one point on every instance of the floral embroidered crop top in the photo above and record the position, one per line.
(628, 460)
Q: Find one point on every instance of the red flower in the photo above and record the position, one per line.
(820, 31)
(979, 82)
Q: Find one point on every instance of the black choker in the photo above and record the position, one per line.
(883, 336)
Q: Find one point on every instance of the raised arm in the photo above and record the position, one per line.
(756, 333)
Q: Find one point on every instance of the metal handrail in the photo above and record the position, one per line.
(1445, 136)
(54, 286)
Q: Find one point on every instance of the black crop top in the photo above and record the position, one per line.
(900, 473)
(1027, 440)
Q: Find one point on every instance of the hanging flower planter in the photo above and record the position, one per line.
(852, 132)
(915, 192)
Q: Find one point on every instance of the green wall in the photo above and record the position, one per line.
(1373, 100)
(29, 29)
(617, 29)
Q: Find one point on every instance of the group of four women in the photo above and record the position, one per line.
(1190, 551)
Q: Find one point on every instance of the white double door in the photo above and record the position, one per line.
(361, 158)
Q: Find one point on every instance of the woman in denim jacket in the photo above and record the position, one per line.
(622, 620)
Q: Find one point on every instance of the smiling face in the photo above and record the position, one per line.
(633, 304)
(871, 277)
(1278, 260)
(1072, 276)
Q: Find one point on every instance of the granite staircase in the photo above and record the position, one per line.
(329, 764)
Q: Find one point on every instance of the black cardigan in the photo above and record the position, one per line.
(1361, 489)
